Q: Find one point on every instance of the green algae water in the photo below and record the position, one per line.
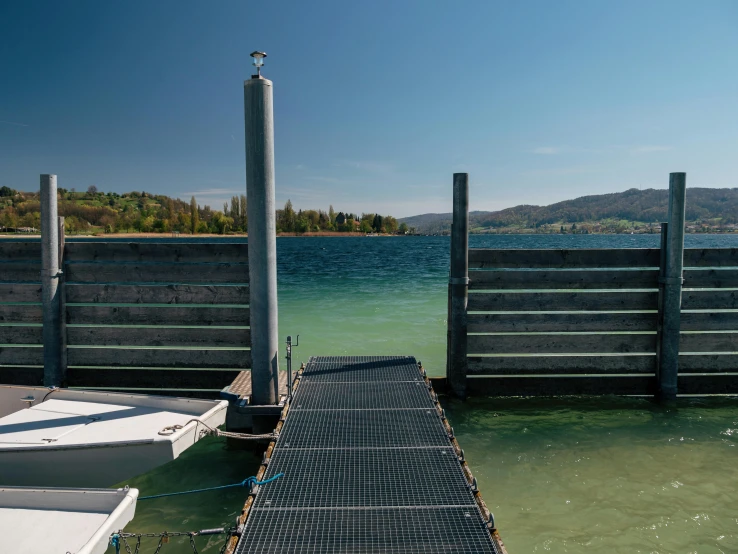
(570, 475)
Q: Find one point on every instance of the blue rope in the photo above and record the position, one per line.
(248, 481)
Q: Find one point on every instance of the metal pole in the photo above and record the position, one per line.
(50, 293)
(62, 305)
(459, 287)
(259, 125)
(671, 280)
(289, 367)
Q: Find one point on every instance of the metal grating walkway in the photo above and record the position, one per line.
(368, 468)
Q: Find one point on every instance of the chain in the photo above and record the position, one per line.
(122, 538)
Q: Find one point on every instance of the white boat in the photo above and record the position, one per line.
(75, 438)
(62, 521)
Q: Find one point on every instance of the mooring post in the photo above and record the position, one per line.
(670, 284)
(50, 293)
(62, 305)
(259, 126)
(458, 285)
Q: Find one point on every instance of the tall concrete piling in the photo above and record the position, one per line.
(50, 290)
(259, 127)
(458, 288)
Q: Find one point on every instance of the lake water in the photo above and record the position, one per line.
(582, 475)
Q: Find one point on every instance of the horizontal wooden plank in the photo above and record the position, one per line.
(711, 257)
(117, 251)
(182, 393)
(25, 272)
(560, 322)
(158, 294)
(562, 344)
(710, 278)
(709, 321)
(708, 342)
(561, 301)
(561, 386)
(157, 315)
(22, 375)
(557, 258)
(708, 384)
(710, 300)
(544, 365)
(563, 279)
(25, 250)
(176, 273)
(708, 363)
(150, 378)
(158, 336)
(21, 313)
(21, 355)
(20, 334)
(159, 358)
(20, 292)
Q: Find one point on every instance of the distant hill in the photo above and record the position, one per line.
(706, 207)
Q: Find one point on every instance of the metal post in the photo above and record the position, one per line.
(458, 286)
(62, 305)
(259, 125)
(671, 284)
(50, 282)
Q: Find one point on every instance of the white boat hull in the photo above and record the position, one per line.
(94, 439)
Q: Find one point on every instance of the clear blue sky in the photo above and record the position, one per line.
(376, 103)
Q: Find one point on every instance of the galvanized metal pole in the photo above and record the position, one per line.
(259, 116)
(671, 281)
(458, 285)
(50, 293)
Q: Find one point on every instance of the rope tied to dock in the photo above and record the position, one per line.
(248, 481)
(214, 431)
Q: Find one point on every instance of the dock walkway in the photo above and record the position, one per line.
(370, 465)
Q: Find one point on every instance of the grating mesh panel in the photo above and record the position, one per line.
(361, 396)
(362, 429)
(365, 477)
(362, 368)
(371, 531)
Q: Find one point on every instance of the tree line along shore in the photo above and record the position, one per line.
(94, 212)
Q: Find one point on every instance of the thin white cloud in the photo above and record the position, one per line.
(214, 192)
(649, 149)
(547, 150)
(14, 123)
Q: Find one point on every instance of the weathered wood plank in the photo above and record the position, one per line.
(21, 313)
(22, 375)
(711, 278)
(708, 384)
(560, 322)
(20, 292)
(561, 386)
(557, 258)
(158, 358)
(708, 342)
(561, 301)
(544, 365)
(562, 344)
(158, 294)
(710, 300)
(563, 279)
(150, 378)
(16, 251)
(709, 321)
(711, 257)
(24, 272)
(116, 251)
(21, 334)
(179, 273)
(158, 336)
(21, 355)
(157, 315)
(706, 363)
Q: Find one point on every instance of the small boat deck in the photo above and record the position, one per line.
(370, 464)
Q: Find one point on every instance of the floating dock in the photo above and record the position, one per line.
(370, 465)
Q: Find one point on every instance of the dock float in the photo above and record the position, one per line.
(370, 465)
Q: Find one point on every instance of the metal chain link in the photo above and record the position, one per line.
(123, 538)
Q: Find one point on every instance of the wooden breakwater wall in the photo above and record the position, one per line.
(164, 318)
(569, 322)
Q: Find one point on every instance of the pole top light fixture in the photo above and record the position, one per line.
(258, 61)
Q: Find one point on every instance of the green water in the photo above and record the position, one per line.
(596, 476)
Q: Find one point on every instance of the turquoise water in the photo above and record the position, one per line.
(595, 476)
